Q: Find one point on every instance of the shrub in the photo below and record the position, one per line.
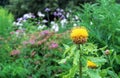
(6, 22)
(4, 2)
(102, 20)
(20, 7)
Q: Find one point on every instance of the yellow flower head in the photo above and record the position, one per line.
(91, 64)
(79, 35)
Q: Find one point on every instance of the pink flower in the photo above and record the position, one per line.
(25, 42)
(19, 31)
(45, 32)
(53, 45)
(15, 52)
(32, 41)
(11, 32)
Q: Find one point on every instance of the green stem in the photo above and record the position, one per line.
(80, 62)
(108, 57)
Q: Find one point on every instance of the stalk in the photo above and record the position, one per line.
(80, 62)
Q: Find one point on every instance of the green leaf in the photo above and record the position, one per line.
(117, 59)
(98, 60)
(66, 46)
(72, 72)
(112, 74)
(62, 61)
(76, 58)
(67, 49)
(103, 73)
(93, 73)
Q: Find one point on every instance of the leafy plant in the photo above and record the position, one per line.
(102, 20)
(90, 52)
(6, 22)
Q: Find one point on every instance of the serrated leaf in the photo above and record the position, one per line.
(72, 72)
(76, 58)
(93, 73)
(62, 61)
(67, 49)
(66, 46)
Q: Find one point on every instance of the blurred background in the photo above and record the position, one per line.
(20, 7)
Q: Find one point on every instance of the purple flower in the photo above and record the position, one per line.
(38, 22)
(47, 9)
(61, 10)
(33, 16)
(28, 15)
(58, 9)
(55, 14)
(59, 14)
(19, 19)
(62, 17)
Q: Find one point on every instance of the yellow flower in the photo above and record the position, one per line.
(79, 35)
(91, 64)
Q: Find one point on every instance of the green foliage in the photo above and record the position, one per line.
(6, 21)
(102, 20)
(71, 56)
(13, 71)
(37, 59)
(4, 2)
(20, 7)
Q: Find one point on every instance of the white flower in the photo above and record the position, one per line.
(20, 27)
(17, 24)
(74, 24)
(26, 16)
(24, 20)
(14, 23)
(40, 14)
(55, 27)
(19, 19)
(63, 22)
(29, 15)
(41, 27)
(76, 17)
(44, 21)
(68, 14)
(91, 23)
(52, 22)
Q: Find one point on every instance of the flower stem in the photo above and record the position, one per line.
(80, 62)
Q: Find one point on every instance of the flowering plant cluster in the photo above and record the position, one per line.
(72, 43)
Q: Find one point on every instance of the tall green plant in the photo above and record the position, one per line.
(6, 22)
(89, 70)
(103, 20)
